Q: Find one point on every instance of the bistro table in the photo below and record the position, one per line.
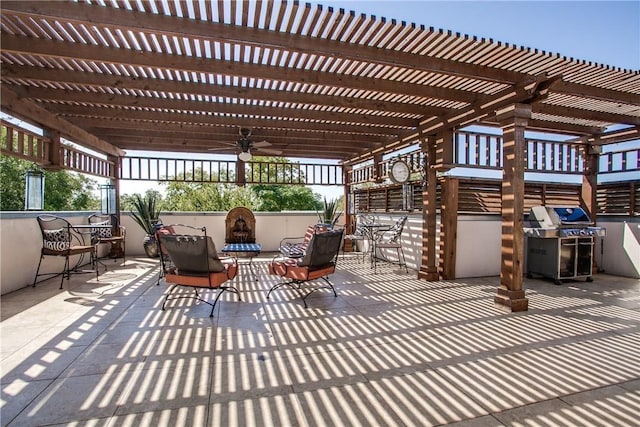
(246, 250)
(91, 230)
(372, 232)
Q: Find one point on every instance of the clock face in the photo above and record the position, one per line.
(399, 172)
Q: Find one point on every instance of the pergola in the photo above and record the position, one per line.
(314, 82)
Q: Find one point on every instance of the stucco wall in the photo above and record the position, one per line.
(478, 247)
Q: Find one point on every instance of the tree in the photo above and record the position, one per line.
(282, 197)
(63, 190)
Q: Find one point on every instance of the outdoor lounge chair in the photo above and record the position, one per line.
(194, 263)
(317, 261)
(59, 238)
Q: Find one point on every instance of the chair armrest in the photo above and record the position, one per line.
(291, 241)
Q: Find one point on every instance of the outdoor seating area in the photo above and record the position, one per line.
(388, 350)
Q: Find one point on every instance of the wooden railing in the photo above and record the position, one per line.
(480, 150)
(30, 146)
(619, 161)
(26, 145)
(225, 171)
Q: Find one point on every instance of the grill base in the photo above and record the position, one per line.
(561, 257)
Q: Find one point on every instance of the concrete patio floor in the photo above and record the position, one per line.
(390, 350)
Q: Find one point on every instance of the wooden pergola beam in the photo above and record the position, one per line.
(170, 26)
(100, 99)
(12, 103)
(90, 53)
(107, 82)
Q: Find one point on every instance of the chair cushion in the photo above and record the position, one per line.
(103, 232)
(56, 240)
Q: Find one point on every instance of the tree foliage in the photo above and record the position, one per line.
(63, 190)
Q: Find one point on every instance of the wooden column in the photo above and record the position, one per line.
(449, 227)
(241, 178)
(115, 180)
(511, 294)
(589, 190)
(377, 168)
(347, 244)
(429, 265)
(53, 155)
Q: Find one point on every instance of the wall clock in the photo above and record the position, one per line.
(399, 172)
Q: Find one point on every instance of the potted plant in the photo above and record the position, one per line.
(330, 213)
(146, 214)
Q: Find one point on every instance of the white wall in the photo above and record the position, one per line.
(619, 252)
(478, 247)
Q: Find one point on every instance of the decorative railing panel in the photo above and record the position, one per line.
(620, 161)
(80, 161)
(24, 144)
(225, 171)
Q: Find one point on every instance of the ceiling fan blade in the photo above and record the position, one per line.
(268, 150)
(229, 149)
(261, 144)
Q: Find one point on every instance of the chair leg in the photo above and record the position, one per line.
(66, 271)
(35, 279)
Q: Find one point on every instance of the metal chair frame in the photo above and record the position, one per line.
(58, 238)
(390, 239)
(204, 279)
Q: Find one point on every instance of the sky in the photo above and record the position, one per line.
(605, 32)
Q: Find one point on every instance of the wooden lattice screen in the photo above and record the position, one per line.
(484, 197)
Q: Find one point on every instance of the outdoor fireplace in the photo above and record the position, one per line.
(240, 226)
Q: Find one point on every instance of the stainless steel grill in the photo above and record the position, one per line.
(560, 243)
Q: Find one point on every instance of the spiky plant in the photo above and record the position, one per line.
(330, 213)
(145, 213)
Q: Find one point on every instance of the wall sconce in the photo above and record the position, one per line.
(34, 190)
(108, 199)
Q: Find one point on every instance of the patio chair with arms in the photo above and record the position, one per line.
(316, 263)
(60, 239)
(195, 264)
(390, 239)
(114, 237)
(360, 234)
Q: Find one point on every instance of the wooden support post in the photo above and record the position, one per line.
(429, 266)
(589, 190)
(53, 153)
(377, 168)
(241, 178)
(511, 294)
(449, 228)
(348, 215)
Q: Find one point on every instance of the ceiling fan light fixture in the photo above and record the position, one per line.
(245, 156)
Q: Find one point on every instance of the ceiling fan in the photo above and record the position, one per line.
(246, 146)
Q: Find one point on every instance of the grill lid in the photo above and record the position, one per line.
(557, 217)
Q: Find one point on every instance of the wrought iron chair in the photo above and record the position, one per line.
(390, 239)
(317, 261)
(294, 247)
(60, 239)
(114, 237)
(360, 234)
(195, 264)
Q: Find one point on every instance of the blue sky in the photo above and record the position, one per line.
(607, 32)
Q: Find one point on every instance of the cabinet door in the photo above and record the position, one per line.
(567, 258)
(585, 256)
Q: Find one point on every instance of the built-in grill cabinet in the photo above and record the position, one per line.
(560, 243)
